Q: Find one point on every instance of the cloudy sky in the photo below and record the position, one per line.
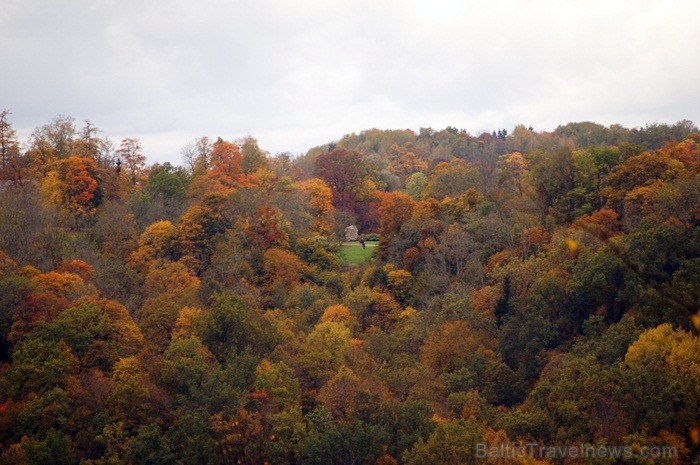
(299, 73)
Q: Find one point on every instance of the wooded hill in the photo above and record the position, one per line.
(527, 286)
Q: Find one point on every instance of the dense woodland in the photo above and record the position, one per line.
(527, 287)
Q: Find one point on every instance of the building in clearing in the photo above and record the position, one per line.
(351, 233)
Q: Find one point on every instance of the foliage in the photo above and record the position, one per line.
(527, 287)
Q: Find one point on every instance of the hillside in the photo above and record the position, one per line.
(527, 287)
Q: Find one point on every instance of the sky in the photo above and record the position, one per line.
(295, 74)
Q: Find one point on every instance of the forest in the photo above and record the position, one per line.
(527, 287)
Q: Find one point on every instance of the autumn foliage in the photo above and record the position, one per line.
(526, 288)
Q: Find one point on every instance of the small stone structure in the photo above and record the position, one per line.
(351, 233)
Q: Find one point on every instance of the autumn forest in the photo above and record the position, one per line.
(518, 287)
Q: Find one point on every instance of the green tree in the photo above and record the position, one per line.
(98, 333)
(187, 364)
(38, 366)
(344, 444)
(452, 442)
(132, 401)
(231, 326)
(450, 179)
(253, 158)
(277, 380)
(415, 185)
(55, 448)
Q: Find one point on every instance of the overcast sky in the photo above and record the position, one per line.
(296, 74)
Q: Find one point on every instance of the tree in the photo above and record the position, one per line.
(25, 227)
(149, 446)
(415, 185)
(318, 251)
(591, 168)
(168, 287)
(191, 439)
(549, 178)
(511, 169)
(114, 232)
(451, 442)
(451, 179)
(399, 284)
(172, 279)
(55, 448)
(225, 164)
(132, 157)
(253, 158)
(187, 363)
(52, 293)
(76, 186)
(132, 401)
(10, 163)
(167, 182)
(654, 136)
(638, 171)
(324, 351)
(98, 332)
(345, 443)
(343, 170)
(662, 372)
(59, 134)
(242, 438)
(282, 266)
(451, 344)
(266, 230)
(320, 204)
(405, 163)
(339, 313)
(395, 209)
(38, 366)
(373, 307)
(339, 392)
(582, 399)
(14, 292)
(231, 263)
(156, 243)
(90, 145)
(197, 232)
(232, 327)
(196, 155)
(588, 134)
(277, 380)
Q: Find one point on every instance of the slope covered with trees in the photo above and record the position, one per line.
(527, 287)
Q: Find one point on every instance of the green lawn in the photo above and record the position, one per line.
(352, 253)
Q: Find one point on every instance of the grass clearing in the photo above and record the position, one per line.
(352, 253)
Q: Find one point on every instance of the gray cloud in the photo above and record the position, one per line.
(298, 74)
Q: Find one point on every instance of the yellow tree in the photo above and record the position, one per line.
(168, 287)
(662, 375)
(282, 266)
(324, 351)
(155, 243)
(320, 204)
